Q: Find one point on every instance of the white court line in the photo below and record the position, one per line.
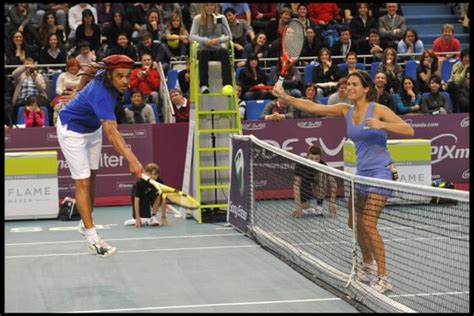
(121, 239)
(132, 251)
(209, 305)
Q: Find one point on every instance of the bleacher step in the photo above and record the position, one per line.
(431, 9)
(431, 19)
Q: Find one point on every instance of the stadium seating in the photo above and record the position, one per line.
(254, 108)
(237, 73)
(54, 80)
(343, 66)
(172, 79)
(323, 100)
(446, 68)
(21, 120)
(308, 73)
(410, 69)
(373, 69)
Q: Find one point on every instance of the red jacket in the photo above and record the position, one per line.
(323, 12)
(147, 84)
(269, 10)
(34, 119)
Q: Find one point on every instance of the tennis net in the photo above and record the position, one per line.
(424, 232)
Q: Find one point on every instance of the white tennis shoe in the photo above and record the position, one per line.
(381, 284)
(100, 248)
(318, 211)
(365, 271)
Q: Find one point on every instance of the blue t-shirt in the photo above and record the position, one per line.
(94, 102)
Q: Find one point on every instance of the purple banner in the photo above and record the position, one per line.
(449, 135)
(239, 201)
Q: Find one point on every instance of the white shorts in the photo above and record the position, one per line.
(82, 151)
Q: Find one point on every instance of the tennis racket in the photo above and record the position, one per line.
(173, 195)
(292, 44)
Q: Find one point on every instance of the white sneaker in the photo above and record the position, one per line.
(81, 228)
(313, 211)
(101, 248)
(381, 284)
(153, 221)
(204, 89)
(364, 271)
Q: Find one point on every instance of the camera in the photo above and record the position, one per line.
(217, 19)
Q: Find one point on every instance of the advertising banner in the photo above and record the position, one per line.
(240, 189)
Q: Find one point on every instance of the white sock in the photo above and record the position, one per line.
(91, 235)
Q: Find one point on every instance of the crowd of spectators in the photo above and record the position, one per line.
(76, 34)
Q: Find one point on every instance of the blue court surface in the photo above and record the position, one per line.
(182, 267)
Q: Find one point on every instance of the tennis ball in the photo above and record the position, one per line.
(173, 44)
(227, 89)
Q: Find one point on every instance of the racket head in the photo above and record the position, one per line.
(292, 44)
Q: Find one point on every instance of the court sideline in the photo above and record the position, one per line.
(183, 267)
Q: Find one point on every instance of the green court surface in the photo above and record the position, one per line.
(182, 267)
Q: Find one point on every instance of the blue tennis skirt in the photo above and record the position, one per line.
(383, 173)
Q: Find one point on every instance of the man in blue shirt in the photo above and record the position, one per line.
(79, 129)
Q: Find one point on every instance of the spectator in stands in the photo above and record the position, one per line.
(292, 82)
(181, 105)
(184, 78)
(33, 115)
(210, 36)
(392, 26)
(428, 67)
(139, 112)
(325, 75)
(29, 83)
(262, 13)
(348, 12)
(177, 36)
(460, 69)
(324, 15)
(303, 15)
(408, 99)
(434, 102)
(146, 79)
(18, 50)
(242, 10)
(68, 80)
(462, 96)
(389, 65)
(7, 100)
(53, 53)
(21, 19)
(447, 43)
(60, 11)
(88, 31)
(105, 11)
(159, 52)
(312, 44)
(277, 110)
(309, 91)
(136, 14)
(410, 44)
(258, 47)
(293, 6)
(379, 9)
(124, 47)
(383, 96)
(351, 62)
(242, 103)
(344, 45)
(254, 81)
(362, 23)
(75, 18)
(86, 56)
(241, 31)
(153, 25)
(167, 9)
(373, 46)
(118, 25)
(275, 30)
(340, 96)
(49, 26)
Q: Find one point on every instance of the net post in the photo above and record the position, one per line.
(354, 238)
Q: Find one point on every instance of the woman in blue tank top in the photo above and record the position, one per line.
(368, 123)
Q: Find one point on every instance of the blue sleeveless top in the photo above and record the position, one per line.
(371, 145)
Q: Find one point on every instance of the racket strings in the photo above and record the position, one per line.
(293, 39)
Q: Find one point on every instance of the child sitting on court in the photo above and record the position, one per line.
(146, 200)
(33, 114)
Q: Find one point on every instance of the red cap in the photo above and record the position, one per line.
(117, 61)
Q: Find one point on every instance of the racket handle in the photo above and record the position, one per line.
(281, 79)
